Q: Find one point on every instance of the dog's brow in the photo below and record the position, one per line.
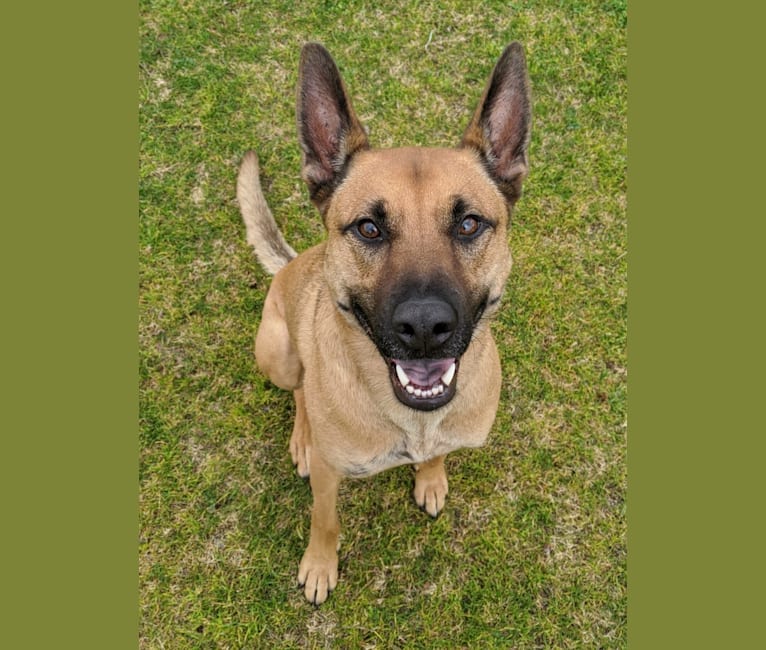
(377, 211)
(459, 206)
(462, 207)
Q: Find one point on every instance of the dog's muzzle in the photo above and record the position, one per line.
(425, 377)
(421, 339)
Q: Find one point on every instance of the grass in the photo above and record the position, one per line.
(531, 549)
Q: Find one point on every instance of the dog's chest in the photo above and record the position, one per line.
(415, 444)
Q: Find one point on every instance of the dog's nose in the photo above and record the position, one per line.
(424, 324)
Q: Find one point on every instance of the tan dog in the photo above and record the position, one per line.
(382, 331)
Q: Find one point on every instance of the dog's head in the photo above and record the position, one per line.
(417, 250)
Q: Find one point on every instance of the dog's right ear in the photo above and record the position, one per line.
(328, 129)
(500, 128)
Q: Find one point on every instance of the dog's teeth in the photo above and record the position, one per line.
(404, 380)
(449, 375)
(418, 392)
(410, 389)
(439, 389)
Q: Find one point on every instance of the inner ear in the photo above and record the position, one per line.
(323, 111)
(500, 128)
(328, 129)
(506, 119)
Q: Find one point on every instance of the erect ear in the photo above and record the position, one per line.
(500, 127)
(328, 129)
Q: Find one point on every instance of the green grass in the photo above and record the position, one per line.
(530, 551)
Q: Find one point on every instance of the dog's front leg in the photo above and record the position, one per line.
(300, 441)
(431, 485)
(318, 571)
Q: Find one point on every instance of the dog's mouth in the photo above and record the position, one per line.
(424, 384)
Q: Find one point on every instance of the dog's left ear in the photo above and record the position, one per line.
(329, 131)
(500, 128)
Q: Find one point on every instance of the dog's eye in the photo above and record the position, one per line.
(368, 229)
(469, 226)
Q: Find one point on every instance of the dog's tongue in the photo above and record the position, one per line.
(425, 372)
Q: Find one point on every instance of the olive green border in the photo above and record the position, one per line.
(695, 493)
(70, 492)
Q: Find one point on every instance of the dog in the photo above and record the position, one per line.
(382, 331)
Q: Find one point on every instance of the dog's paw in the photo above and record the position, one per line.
(318, 575)
(431, 489)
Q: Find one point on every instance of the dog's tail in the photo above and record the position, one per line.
(271, 249)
